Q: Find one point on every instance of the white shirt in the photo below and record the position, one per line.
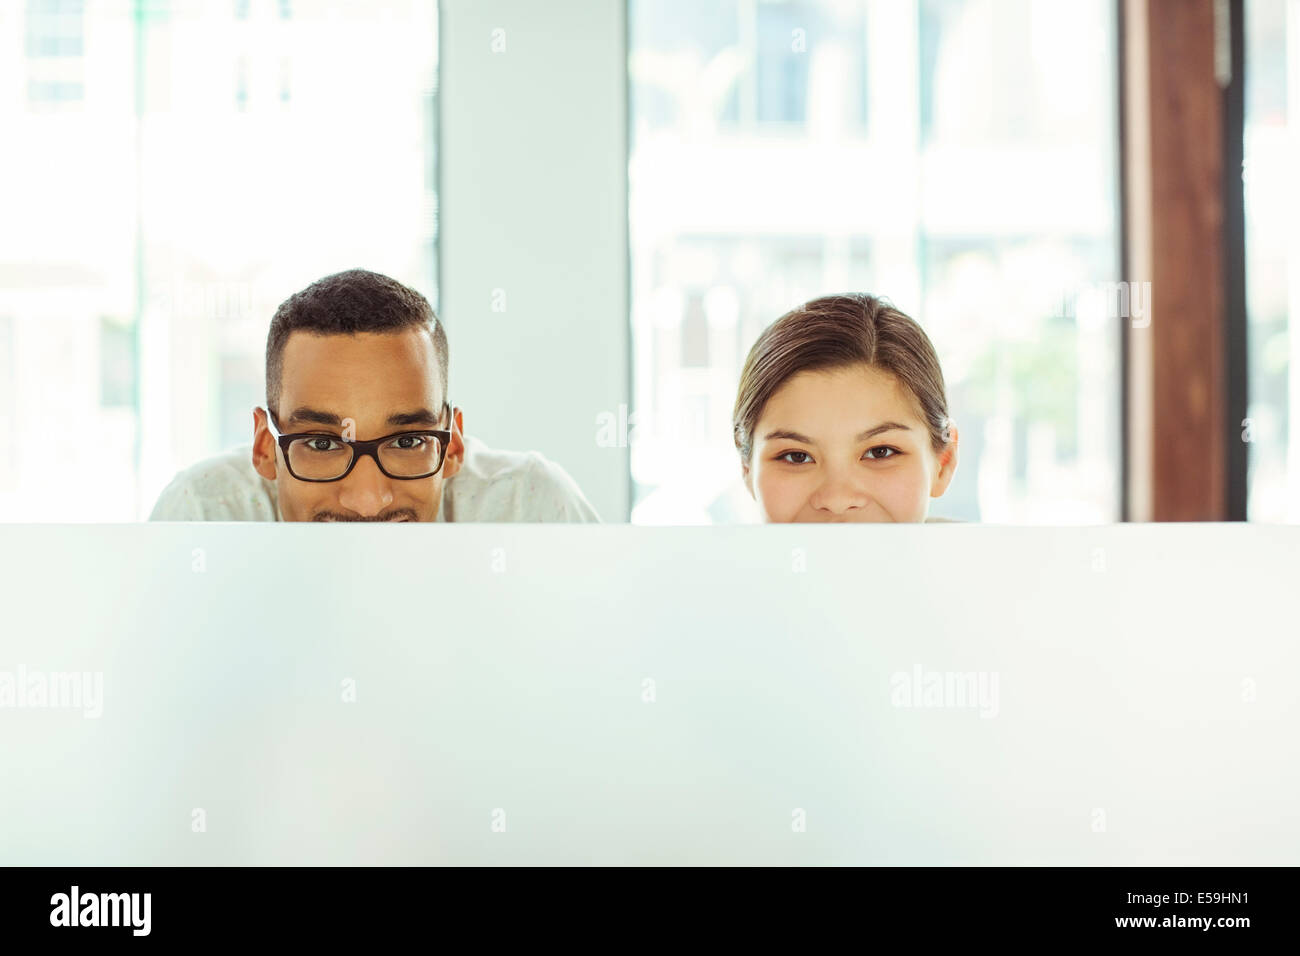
(490, 486)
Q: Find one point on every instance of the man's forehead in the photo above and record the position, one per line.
(414, 344)
(378, 371)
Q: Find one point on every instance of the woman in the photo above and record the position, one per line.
(841, 415)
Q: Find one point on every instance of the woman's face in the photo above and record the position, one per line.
(846, 444)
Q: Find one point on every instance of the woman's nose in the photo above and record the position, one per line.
(839, 493)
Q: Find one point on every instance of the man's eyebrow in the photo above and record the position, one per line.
(862, 436)
(421, 416)
(315, 416)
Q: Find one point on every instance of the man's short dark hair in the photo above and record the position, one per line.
(347, 303)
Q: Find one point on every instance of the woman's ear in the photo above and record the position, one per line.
(947, 464)
(748, 477)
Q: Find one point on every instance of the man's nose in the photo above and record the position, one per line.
(367, 491)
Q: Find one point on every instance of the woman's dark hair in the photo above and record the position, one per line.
(347, 303)
(832, 332)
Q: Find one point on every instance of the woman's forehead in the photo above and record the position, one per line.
(848, 396)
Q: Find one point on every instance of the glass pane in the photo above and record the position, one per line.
(1272, 156)
(185, 168)
(956, 156)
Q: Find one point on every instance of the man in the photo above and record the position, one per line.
(358, 427)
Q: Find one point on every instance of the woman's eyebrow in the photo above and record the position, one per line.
(882, 427)
(788, 435)
(862, 436)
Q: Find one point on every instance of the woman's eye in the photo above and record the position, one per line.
(802, 457)
(881, 452)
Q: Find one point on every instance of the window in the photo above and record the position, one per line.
(8, 404)
(1272, 425)
(956, 156)
(55, 38)
(140, 265)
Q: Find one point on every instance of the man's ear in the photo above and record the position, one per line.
(947, 464)
(456, 448)
(264, 459)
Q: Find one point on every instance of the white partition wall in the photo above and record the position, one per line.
(783, 694)
(534, 229)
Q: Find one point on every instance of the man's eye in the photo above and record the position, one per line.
(319, 444)
(415, 440)
(881, 452)
(785, 456)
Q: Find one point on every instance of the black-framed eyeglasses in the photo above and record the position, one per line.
(324, 456)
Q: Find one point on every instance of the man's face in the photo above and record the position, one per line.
(383, 383)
